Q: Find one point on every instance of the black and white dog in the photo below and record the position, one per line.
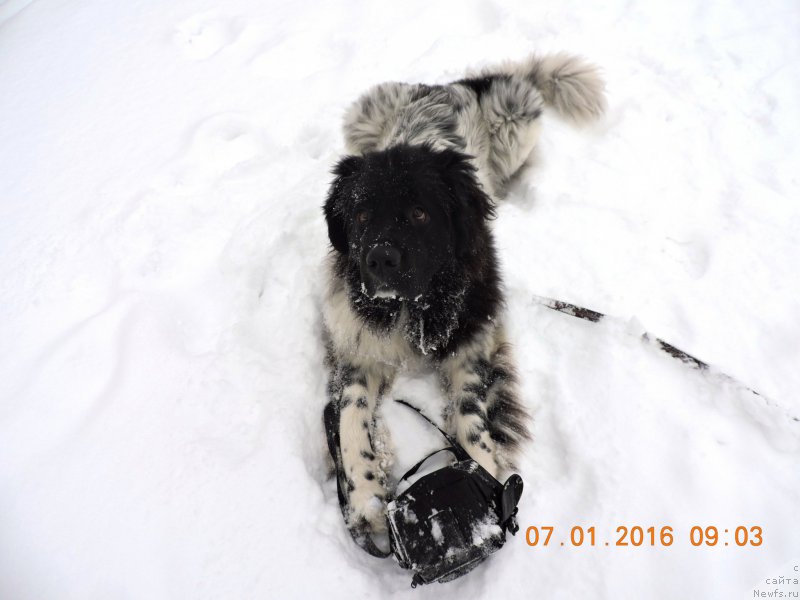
(414, 277)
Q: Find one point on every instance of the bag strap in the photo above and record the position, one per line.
(456, 448)
(416, 467)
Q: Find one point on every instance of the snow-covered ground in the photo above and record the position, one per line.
(162, 167)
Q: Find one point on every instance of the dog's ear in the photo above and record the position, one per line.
(470, 206)
(338, 204)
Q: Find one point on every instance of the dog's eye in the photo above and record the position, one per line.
(419, 215)
(362, 216)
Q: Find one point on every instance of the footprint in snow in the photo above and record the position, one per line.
(692, 255)
(202, 35)
(223, 145)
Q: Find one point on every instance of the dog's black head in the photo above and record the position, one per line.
(403, 215)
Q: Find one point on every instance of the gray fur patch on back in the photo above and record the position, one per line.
(498, 128)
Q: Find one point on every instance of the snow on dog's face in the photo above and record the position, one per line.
(404, 214)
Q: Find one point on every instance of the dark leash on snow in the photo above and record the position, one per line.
(588, 314)
(693, 362)
(448, 521)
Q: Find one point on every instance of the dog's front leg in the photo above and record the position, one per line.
(362, 458)
(484, 409)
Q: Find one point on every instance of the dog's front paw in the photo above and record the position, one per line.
(367, 501)
(482, 448)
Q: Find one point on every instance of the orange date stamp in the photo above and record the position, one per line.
(741, 536)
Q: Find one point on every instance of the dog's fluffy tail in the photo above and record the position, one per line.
(568, 83)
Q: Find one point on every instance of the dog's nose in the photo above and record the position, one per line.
(383, 260)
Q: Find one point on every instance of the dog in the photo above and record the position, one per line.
(413, 273)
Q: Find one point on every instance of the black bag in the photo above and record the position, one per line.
(448, 521)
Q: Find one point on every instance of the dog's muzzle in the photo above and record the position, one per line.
(382, 272)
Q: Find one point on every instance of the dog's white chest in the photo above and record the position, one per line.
(353, 338)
